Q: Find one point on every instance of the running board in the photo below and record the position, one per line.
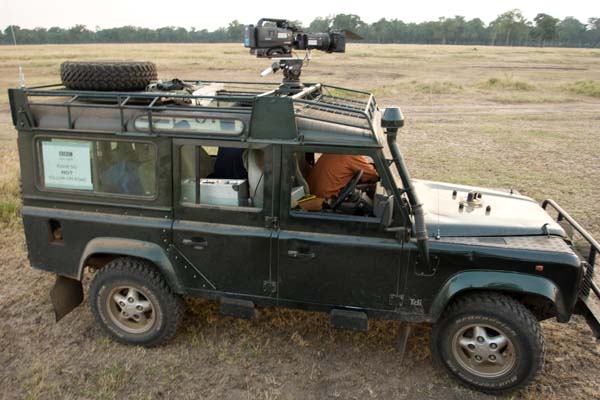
(237, 308)
(349, 320)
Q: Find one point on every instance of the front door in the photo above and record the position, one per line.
(334, 259)
(223, 198)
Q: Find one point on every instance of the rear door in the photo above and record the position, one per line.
(226, 248)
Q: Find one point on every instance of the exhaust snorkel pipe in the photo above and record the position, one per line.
(391, 121)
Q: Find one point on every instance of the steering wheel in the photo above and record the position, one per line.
(348, 189)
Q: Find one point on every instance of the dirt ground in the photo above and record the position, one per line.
(498, 117)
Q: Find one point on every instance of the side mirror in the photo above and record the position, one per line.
(387, 216)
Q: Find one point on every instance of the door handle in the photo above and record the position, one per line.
(298, 254)
(196, 243)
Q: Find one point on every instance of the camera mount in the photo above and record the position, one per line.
(277, 39)
(291, 69)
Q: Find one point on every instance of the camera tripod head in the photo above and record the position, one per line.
(291, 69)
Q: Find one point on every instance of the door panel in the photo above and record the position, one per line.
(333, 259)
(338, 269)
(232, 258)
(228, 248)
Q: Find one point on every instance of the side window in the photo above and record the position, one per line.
(190, 124)
(332, 183)
(98, 166)
(222, 176)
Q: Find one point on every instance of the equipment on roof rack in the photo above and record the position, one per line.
(278, 38)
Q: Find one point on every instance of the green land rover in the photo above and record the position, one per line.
(201, 188)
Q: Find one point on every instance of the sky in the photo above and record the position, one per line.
(202, 14)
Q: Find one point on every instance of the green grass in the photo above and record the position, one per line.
(436, 87)
(586, 88)
(507, 83)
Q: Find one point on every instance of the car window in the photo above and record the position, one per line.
(190, 124)
(222, 176)
(98, 166)
(334, 183)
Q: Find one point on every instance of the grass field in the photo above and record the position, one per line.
(526, 118)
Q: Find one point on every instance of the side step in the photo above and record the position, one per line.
(350, 320)
(238, 308)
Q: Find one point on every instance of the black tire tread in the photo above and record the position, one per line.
(107, 76)
(475, 302)
(152, 276)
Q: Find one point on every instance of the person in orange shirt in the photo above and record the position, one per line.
(332, 172)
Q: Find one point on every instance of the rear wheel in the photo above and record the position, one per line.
(133, 303)
(489, 342)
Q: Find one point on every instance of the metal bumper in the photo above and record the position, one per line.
(588, 303)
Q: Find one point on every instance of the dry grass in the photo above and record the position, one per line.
(497, 117)
(507, 82)
(587, 88)
(10, 202)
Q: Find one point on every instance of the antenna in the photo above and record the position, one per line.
(21, 74)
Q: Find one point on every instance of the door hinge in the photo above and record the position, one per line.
(272, 222)
(270, 287)
(396, 300)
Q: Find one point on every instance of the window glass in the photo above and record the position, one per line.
(222, 176)
(335, 183)
(191, 124)
(117, 167)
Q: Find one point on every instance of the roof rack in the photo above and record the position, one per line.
(316, 102)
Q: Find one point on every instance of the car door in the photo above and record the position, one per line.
(329, 259)
(225, 247)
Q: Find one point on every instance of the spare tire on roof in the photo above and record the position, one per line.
(107, 75)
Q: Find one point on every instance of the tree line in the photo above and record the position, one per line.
(508, 29)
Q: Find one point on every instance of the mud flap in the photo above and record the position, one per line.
(66, 294)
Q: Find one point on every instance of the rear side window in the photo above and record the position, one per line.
(98, 166)
(222, 176)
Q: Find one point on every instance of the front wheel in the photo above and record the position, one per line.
(133, 303)
(489, 342)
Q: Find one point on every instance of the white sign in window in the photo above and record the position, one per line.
(67, 165)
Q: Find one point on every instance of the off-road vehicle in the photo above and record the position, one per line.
(200, 189)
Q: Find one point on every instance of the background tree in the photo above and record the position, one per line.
(546, 28)
(320, 24)
(510, 26)
(594, 31)
(571, 32)
(235, 31)
(475, 32)
(348, 22)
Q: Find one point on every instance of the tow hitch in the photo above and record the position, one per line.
(588, 304)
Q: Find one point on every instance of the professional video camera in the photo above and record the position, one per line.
(278, 39)
(272, 38)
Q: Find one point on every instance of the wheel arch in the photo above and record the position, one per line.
(102, 250)
(528, 288)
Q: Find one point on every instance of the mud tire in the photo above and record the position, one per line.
(107, 76)
(499, 311)
(167, 306)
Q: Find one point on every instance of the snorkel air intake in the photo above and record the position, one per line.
(391, 121)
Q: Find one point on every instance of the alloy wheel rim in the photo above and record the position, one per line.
(483, 350)
(130, 309)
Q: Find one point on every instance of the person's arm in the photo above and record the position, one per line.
(369, 172)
